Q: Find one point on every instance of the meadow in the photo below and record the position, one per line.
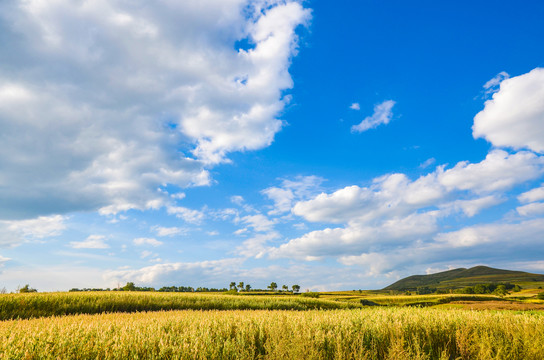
(32, 305)
(114, 325)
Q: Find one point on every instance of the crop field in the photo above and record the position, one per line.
(112, 325)
(374, 333)
(25, 306)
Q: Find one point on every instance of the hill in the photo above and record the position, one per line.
(458, 278)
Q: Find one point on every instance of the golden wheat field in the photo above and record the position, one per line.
(370, 333)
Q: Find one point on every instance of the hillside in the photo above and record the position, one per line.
(458, 278)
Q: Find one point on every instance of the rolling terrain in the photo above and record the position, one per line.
(459, 278)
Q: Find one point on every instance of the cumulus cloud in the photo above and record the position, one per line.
(518, 233)
(91, 242)
(97, 98)
(258, 222)
(473, 206)
(355, 106)
(498, 171)
(535, 194)
(189, 215)
(13, 232)
(147, 241)
(168, 231)
(514, 117)
(395, 212)
(257, 245)
(207, 272)
(536, 208)
(300, 188)
(357, 238)
(382, 115)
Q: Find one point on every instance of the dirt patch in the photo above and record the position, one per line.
(498, 305)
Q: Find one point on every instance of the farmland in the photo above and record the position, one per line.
(111, 325)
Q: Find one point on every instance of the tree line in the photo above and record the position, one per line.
(272, 287)
(233, 288)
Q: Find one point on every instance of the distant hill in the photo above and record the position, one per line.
(458, 278)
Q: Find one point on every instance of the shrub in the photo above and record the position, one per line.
(311, 294)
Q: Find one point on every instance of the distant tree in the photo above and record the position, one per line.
(232, 286)
(241, 285)
(296, 288)
(27, 289)
(500, 290)
(285, 287)
(273, 286)
(3, 291)
(129, 287)
(540, 296)
(516, 288)
(248, 287)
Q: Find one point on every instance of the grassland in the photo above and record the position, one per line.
(371, 333)
(32, 305)
(460, 278)
(144, 325)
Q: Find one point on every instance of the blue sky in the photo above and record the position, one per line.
(334, 145)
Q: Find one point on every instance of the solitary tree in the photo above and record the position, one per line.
(296, 288)
(27, 289)
(241, 285)
(273, 286)
(232, 286)
(129, 287)
(248, 287)
(285, 287)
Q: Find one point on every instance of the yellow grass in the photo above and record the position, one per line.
(374, 333)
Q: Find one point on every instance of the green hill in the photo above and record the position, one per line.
(458, 278)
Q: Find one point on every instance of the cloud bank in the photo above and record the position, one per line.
(104, 102)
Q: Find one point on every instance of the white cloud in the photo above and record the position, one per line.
(189, 215)
(109, 92)
(536, 194)
(382, 115)
(178, 196)
(357, 238)
(536, 208)
(13, 232)
(237, 199)
(427, 163)
(392, 194)
(492, 85)
(398, 215)
(355, 106)
(168, 231)
(206, 272)
(147, 241)
(498, 171)
(473, 206)
(240, 231)
(257, 245)
(514, 117)
(258, 222)
(91, 242)
(145, 253)
(530, 232)
(3, 260)
(301, 188)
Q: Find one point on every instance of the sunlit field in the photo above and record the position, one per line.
(135, 325)
(370, 333)
(24, 306)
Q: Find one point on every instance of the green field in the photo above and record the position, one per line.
(127, 325)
